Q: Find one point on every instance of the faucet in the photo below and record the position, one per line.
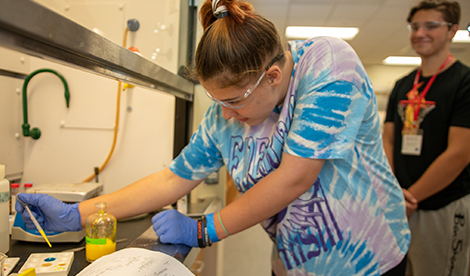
(35, 133)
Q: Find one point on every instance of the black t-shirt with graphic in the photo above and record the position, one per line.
(451, 93)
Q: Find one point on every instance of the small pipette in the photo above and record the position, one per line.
(36, 223)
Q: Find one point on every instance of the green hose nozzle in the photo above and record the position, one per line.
(35, 133)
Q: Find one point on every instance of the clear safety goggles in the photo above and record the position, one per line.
(428, 25)
(243, 100)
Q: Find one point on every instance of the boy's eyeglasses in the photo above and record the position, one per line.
(428, 25)
(243, 100)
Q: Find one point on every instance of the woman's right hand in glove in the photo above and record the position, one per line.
(51, 213)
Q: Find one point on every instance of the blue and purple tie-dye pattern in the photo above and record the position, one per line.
(351, 221)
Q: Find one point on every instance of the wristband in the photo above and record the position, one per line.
(200, 233)
(206, 233)
(211, 228)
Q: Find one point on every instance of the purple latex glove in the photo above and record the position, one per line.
(173, 227)
(51, 213)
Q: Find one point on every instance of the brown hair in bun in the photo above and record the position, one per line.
(235, 48)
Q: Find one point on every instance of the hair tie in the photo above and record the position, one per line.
(219, 12)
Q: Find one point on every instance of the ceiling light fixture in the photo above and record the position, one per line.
(298, 32)
(462, 36)
(400, 60)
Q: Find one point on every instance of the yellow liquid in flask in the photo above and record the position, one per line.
(100, 233)
(95, 251)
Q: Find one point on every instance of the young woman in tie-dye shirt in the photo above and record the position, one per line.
(300, 136)
(299, 133)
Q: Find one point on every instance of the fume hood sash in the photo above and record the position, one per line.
(28, 27)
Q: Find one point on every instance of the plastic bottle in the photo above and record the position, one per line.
(100, 233)
(14, 188)
(4, 211)
(27, 186)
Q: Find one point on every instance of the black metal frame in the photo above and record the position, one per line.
(184, 108)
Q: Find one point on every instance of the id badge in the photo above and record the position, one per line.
(411, 144)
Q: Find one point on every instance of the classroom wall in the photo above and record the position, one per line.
(383, 79)
(76, 139)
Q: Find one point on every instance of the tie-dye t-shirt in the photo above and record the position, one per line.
(352, 220)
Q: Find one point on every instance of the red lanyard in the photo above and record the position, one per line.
(428, 85)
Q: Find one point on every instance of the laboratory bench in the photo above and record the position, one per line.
(138, 231)
(127, 229)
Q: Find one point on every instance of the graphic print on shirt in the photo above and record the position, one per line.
(413, 111)
(261, 153)
(310, 223)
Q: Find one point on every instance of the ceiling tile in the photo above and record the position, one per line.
(306, 14)
(351, 11)
(347, 15)
(274, 12)
(340, 1)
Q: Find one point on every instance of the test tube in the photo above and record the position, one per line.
(14, 187)
(27, 186)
